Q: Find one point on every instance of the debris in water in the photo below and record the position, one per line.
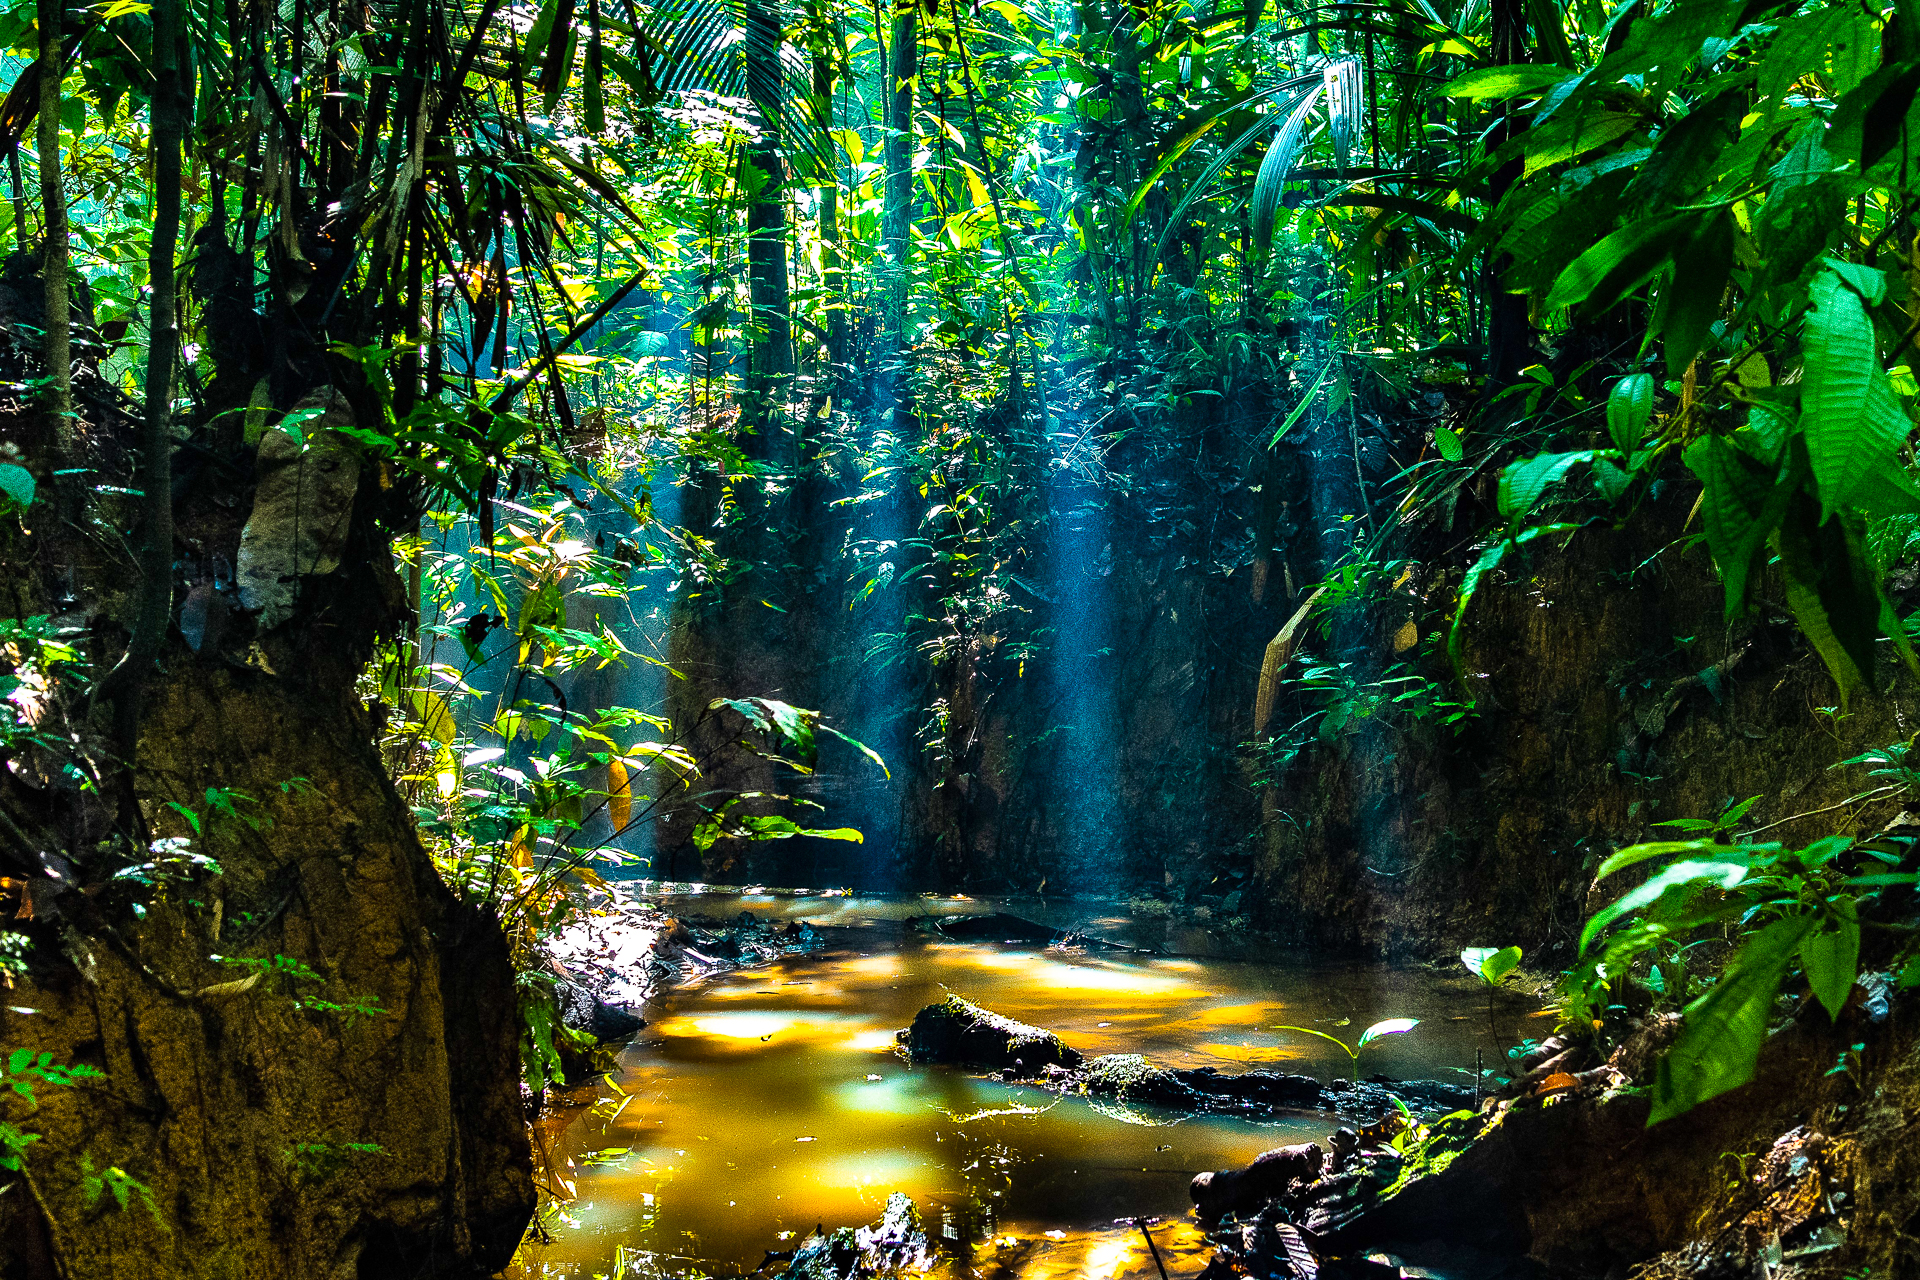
(806, 1139)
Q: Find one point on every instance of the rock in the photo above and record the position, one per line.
(1241, 1191)
(958, 1031)
(301, 508)
(583, 1010)
(895, 1244)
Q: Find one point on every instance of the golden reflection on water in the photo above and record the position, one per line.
(772, 1101)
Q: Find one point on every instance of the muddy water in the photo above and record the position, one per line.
(763, 1103)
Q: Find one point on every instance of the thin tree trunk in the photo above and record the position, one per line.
(834, 278)
(897, 220)
(770, 349)
(171, 105)
(53, 259)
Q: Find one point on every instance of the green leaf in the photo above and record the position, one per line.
(1629, 410)
(1446, 442)
(1690, 299)
(1831, 957)
(1690, 875)
(1725, 1028)
(1736, 511)
(1850, 416)
(1491, 965)
(1391, 1027)
(1832, 590)
(1348, 1049)
(1639, 853)
(1523, 483)
(1264, 205)
(1619, 264)
(862, 747)
(1504, 82)
(17, 484)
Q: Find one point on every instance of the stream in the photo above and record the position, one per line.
(761, 1103)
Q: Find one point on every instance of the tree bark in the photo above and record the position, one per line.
(53, 261)
(897, 215)
(124, 684)
(770, 349)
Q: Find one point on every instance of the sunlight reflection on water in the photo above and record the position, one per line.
(755, 1107)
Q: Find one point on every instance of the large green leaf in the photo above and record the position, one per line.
(1504, 82)
(1271, 181)
(1850, 416)
(1690, 300)
(1690, 875)
(1621, 263)
(1725, 1028)
(1832, 590)
(16, 483)
(1391, 1027)
(1629, 409)
(1831, 957)
(1523, 482)
(1740, 510)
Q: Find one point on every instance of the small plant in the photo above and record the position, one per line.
(1391, 1027)
(1720, 828)
(1795, 907)
(295, 972)
(19, 1072)
(1491, 965)
(118, 1185)
(171, 863)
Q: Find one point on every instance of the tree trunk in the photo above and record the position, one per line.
(897, 215)
(53, 259)
(770, 346)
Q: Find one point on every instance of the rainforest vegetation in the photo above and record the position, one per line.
(1423, 485)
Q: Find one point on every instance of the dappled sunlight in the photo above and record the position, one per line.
(777, 1100)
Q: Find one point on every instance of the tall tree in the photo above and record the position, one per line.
(770, 349)
(53, 198)
(897, 214)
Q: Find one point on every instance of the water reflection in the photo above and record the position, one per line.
(771, 1101)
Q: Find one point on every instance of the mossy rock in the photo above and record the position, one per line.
(960, 1032)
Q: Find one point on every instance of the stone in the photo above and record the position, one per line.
(302, 504)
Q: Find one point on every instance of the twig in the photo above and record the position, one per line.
(1875, 794)
(1142, 1224)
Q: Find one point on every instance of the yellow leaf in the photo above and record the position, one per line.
(433, 714)
(446, 772)
(518, 850)
(975, 187)
(619, 795)
(1407, 637)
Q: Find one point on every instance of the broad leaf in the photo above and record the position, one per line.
(1490, 964)
(1523, 483)
(1688, 876)
(1831, 957)
(1736, 512)
(17, 484)
(1391, 1027)
(1629, 410)
(1504, 82)
(1726, 1027)
(1850, 416)
(1620, 263)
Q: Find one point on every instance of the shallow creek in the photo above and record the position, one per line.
(767, 1101)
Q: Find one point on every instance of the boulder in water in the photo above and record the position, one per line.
(961, 1032)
